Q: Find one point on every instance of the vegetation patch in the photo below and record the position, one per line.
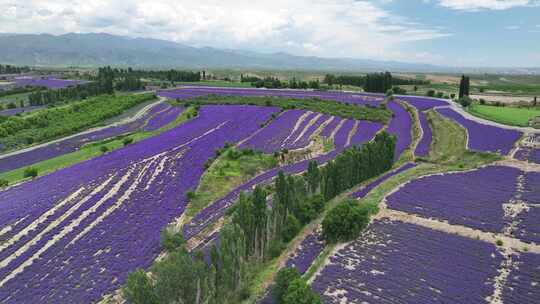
(514, 116)
(231, 168)
(48, 124)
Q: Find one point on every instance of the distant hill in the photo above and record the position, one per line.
(98, 49)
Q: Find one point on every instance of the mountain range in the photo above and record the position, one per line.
(98, 49)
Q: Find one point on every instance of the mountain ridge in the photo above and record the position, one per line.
(98, 49)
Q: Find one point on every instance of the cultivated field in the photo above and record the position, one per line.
(453, 215)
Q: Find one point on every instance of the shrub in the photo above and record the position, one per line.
(171, 241)
(103, 149)
(30, 172)
(190, 195)
(345, 221)
(127, 141)
(3, 183)
(431, 93)
(283, 278)
(299, 292)
(292, 226)
(465, 101)
(139, 289)
(499, 243)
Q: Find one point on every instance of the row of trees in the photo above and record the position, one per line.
(361, 81)
(258, 231)
(275, 83)
(378, 82)
(11, 69)
(169, 75)
(105, 82)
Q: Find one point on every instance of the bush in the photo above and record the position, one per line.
(283, 278)
(299, 292)
(465, 101)
(139, 289)
(127, 141)
(292, 226)
(171, 241)
(190, 195)
(3, 183)
(345, 221)
(431, 93)
(103, 149)
(30, 172)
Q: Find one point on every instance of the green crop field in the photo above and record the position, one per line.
(505, 115)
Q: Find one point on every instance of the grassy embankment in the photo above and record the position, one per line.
(91, 150)
(506, 115)
(229, 170)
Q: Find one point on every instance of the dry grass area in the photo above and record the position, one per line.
(503, 98)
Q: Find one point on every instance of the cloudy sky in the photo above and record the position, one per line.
(447, 32)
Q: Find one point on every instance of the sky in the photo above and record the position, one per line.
(474, 33)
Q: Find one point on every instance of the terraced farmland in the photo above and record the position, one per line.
(75, 234)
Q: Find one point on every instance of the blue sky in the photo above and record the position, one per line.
(483, 33)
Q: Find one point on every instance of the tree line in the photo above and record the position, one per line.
(362, 81)
(106, 81)
(11, 69)
(276, 83)
(171, 75)
(262, 223)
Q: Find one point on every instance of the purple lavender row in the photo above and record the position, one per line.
(474, 199)
(523, 281)
(310, 248)
(483, 137)
(528, 154)
(272, 137)
(423, 103)
(162, 119)
(75, 143)
(400, 126)
(306, 138)
(422, 149)
(11, 112)
(345, 97)
(365, 190)
(50, 83)
(528, 229)
(85, 264)
(395, 262)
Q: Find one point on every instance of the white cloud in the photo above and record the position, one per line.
(309, 27)
(474, 5)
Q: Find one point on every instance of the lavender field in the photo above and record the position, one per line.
(484, 137)
(395, 262)
(155, 118)
(474, 199)
(100, 219)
